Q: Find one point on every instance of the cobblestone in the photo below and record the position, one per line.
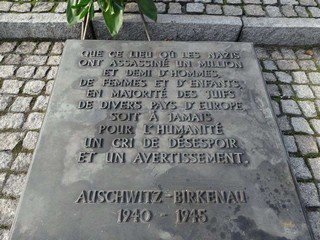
(30, 140)
(303, 91)
(22, 162)
(309, 194)
(300, 168)
(290, 107)
(284, 77)
(6, 71)
(306, 144)
(11, 121)
(14, 185)
(300, 77)
(33, 87)
(34, 121)
(315, 167)
(21, 104)
(5, 159)
(11, 86)
(301, 125)
(308, 108)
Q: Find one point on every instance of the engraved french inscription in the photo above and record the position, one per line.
(160, 140)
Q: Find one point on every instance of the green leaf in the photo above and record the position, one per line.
(104, 5)
(72, 14)
(148, 8)
(91, 12)
(82, 3)
(113, 18)
(84, 12)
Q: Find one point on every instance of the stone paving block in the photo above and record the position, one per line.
(13, 59)
(61, 7)
(4, 234)
(308, 3)
(49, 87)
(21, 104)
(269, 2)
(302, 54)
(34, 87)
(26, 47)
(42, 7)
(11, 121)
(5, 6)
(308, 108)
(14, 184)
(288, 11)
(290, 144)
(286, 91)
(7, 211)
(314, 77)
(315, 11)
(290, 107)
(9, 140)
(6, 47)
(301, 125)
(53, 60)
(276, 54)
(269, 77)
(254, 10)
(22, 162)
(287, 65)
(41, 72)
(42, 48)
(41, 103)
(57, 48)
(52, 73)
(276, 108)
(309, 194)
(195, 7)
(25, 71)
(21, 8)
(315, 123)
(273, 90)
(284, 77)
(35, 60)
(307, 65)
(34, 121)
(2, 180)
(161, 7)
(301, 11)
(314, 219)
(5, 160)
(5, 101)
(315, 167)
(30, 140)
(284, 123)
(214, 9)
(300, 77)
(303, 91)
(7, 71)
(273, 11)
(300, 169)
(175, 8)
(306, 144)
(262, 53)
(11, 86)
(232, 10)
(288, 53)
(316, 90)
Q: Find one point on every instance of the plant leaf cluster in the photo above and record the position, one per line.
(112, 12)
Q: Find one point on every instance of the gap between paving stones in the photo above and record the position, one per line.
(263, 31)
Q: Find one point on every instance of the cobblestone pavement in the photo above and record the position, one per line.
(257, 8)
(27, 70)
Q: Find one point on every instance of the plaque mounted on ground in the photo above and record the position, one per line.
(160, 140)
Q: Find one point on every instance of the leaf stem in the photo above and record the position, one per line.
(145, 26)
(86, 25)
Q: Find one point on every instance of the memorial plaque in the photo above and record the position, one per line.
(160, 140)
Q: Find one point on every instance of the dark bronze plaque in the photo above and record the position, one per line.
(160, 140)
